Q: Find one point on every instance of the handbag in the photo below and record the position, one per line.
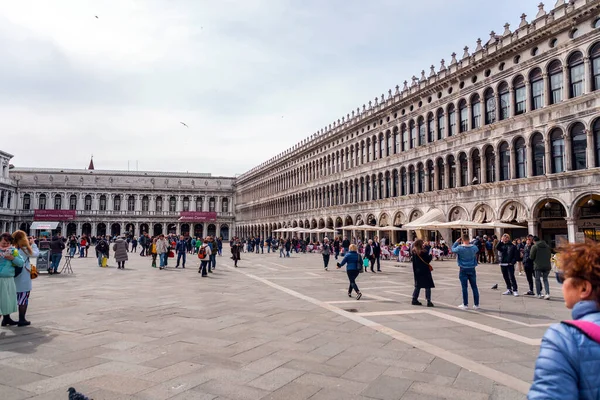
(171, 254)
(32, 272)
(429, 265)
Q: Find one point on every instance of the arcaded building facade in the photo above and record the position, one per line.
(508, 131)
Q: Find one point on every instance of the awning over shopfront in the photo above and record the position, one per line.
(197, 216)
(43, 226)
(429, 220)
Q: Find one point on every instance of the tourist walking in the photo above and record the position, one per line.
(353, 262)
(72, 246)
(134, 244)
(153, 251)
(369, 254)
(336, 247)
(102, 250)
(27, 248)
(236, 250)
(10, 260)
(288, 247)
(56, 248)
(507, 252)
(346, 244)
(120, 247)
(181, 249)
(82, 244)
(326, 253)
(528, 264)
(204, 254)
(213, 252)
(376, 253)
(162, 248)
(421, 260)
(467, 261)
(569, 359)
(541, 255)
(281, 249)
(220, 245)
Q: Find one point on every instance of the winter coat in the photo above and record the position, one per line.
(235, 252)
(161, 246)
(120, 248)
(423, 278)
(376, 249)
(541, 254)
(352, 260)
(508, 253)
(56, 246)
(569, 361)
(326, 249)
(368, 251)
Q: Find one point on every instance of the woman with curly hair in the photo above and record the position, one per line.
(569, 359)
(27, 248)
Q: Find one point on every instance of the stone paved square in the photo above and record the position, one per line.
(274, 328)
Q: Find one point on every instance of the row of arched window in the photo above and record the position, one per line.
(122, 203)
(536, 155)
(524, 93)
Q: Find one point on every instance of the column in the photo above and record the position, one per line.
(483, 107)
(193, 203)
(179, 203)
(179, 228)
(590, 149)
(483, 168)
(138, 202)
(152, 205)
(78, 228)
(427, 185)
(436, 174)
(512, 110)
(529, 161)
(205, 204)
(571, 229)
(547, 95)
(80, 197)
(218, 232)
(565, 91)
(110, 206)
(528, 102)
(588, 82)
(532, 227)
(470, 116)
(547, 156)
(497, 166)
(94, 228)
(469, 172)
(567, 152)
(204, 230)
(164, 228)
(512, 165)
(446, 175)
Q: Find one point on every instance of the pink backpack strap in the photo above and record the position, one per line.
(590, 329)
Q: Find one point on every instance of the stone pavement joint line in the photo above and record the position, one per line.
(480, 369)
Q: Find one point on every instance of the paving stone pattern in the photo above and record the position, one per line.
(272, 329)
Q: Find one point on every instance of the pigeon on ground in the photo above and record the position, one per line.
(495, 286)
(75, 395)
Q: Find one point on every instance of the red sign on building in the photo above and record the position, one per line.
(197, 216)
(54, 215)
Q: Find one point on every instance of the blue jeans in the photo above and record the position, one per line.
(81, 251)
(72, 251)
(55, 258)
(179, 256)
(163, 259)
(100, 255)
(468, 275)
(213, 261)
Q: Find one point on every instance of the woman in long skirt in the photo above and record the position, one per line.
(235, 252)
(9, 259)
(422, 271)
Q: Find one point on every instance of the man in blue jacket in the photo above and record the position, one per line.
(181, 248)
(467, 261)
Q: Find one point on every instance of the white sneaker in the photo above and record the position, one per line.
(520, 273)
(476, 307)
(516, 294)
(547, 297)
(463, 307)
(539, 296)
(507, 293)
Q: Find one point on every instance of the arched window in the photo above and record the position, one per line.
(539, 154)
(558, 151)
(555, 73)
(186, 204)
(87, 203)
(490, 106)
(464, 169)
(430, 175)
(117, 203)
(476, 163)
(159, 204)
(504, 96)
(145, 203)
(576, 74)
(595, 62)
(57, 202)
(476, 111)
(225, 205)
(403, 183)
(537, 89)
(421, 123)
(596, 133)
(578, 147)
(490, 164)
(73, 202)
(451, 120)
(504, 162)
(172, 204)
(521, 158)
(102, 203)
(26, 202)
(131, 203)
(520, 95)
(411, 178)
(452, 170)
(441, 174)
(420, 178)
(430, 128)
(440, 124)
(404, 138)
(42, 202)
(413, 134)
(463, 111)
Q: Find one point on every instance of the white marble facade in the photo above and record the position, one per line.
(509, 131)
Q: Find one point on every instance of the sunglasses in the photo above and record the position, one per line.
(560, 277)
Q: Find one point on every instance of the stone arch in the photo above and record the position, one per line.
(513, 210)
(541, 202)
(339, 222)
(384, 219)
(483, 213)
(371, 220)
(321, 223)
(458, 212)
(414, 214)
(399, 218)
(348, 221)
(359, 219)
(313, 224)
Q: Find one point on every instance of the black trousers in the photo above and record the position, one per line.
(378, 264)
(204, 264)
(417, 291)
(529, 273)
(326, 260)
(508, 273)
(352, 275)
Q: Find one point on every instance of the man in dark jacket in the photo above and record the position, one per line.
(528, 264)
(376, 254)
(56, 247)
(346, 244)
(181, 249)
(369, 254)
(508, 257)
(541, 255)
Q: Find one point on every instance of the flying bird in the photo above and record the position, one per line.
(184, 124)
(96, 16)
(75, 395)
(495, 287)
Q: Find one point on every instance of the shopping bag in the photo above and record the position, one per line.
(104, 262)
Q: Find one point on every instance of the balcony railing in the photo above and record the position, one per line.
(91, 213)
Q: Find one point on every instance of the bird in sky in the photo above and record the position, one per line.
(96, 16)
(184, 124)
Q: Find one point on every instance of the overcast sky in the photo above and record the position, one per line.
(249, 77)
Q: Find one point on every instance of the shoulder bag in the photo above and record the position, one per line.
(428, 265)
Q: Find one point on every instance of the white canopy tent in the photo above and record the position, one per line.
(429, 220)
